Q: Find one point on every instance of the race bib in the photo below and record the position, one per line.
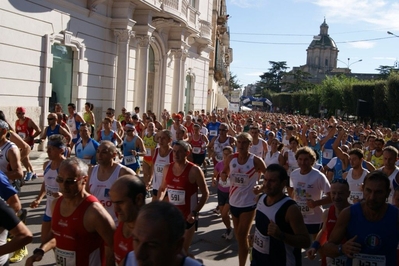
(213, 132)
(87, 161)
(148, 152)
(338, 261)
(368, 260)
(261, 242)
(240, 180)
(304, 208)
(129, 160)
(51, 190)
(355, 195)
(22, 135)
(219, 157)
(196, 150)
(65, 257)
(224, 183)
(328, 153)
(159, 168)
(176, 197)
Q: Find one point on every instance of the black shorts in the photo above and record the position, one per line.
(313, 228)
(223, 198)
(236, 211)
(188, 225)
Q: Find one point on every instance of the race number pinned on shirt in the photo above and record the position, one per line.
(129, 160)
(213, 132)
(22, 135)
(240, 180)
(367, 259)
(65, 257)
(196, 150)
(86, 161)
(261, 242)
(338, 261)
(148, 152)
(51, 190)
(328, 153)
(355, 196)
(159, 168)
(304, 208)
(176, 197)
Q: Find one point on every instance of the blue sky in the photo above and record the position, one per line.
(291, 25)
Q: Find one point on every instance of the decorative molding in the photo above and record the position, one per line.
(92, 4)
(144, 40)
(124, 35)
(179, 53)
(165, 22)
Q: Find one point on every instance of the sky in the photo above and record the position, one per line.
(281, 30)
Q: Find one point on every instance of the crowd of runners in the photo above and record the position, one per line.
(287, 183)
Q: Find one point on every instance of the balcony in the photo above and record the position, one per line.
(205, 32)
(221, 20)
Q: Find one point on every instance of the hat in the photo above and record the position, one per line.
(3, 124)
(177, 116)
(21, 109)
(130, 126)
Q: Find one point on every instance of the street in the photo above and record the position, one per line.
(207, 245)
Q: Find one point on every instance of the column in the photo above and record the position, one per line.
(179, 56)
(122, 66)
(140, 91)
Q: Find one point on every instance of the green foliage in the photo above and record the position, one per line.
(271, 80)
(234, 82)
(393, 96)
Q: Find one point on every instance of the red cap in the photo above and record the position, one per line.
(21, 110)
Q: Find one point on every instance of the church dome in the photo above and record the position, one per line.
(323, 39)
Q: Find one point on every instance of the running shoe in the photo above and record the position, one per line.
(216, 211)
(19, 255)
(229, 235)
(28, 176)
(34, 176)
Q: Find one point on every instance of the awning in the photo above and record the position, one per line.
(222, 101)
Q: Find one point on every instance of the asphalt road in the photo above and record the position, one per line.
(207, 244)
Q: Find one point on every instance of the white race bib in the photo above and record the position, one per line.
(304, 208)
(51, 190)
(87, 161)
(219, 157)
(355, 195)
(159, 168)
(224, 183)
(213, 132)
(328, 153)
(338, 261)
(129, 160)
(196, 150)
(148, 152)
(261, 242)
(368, 260)
(22, 135)
(176, 197)
(65, 257)
(240, 180)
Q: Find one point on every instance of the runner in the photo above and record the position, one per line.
(86, 147)
(355, 176)
(133, 147)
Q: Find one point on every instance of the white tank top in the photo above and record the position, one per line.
(286, 143)
(355, 185)
(257, 149)
(391, 180)
(243, 178)
(292, 162)
(4, 156)
(72, 126)
(159, 164)
(51, 186)
(218, 148)
(100, 189)
(271, 159)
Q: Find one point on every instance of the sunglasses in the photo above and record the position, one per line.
(339, 180)
(109, 113)
(67, 181)
(50, 119)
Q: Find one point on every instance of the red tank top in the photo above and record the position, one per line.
(23, 130)
(122, 245)
(181, 192)
(76, 246)
(197, 145)
(331, 221)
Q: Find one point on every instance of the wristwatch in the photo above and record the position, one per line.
(38, 250)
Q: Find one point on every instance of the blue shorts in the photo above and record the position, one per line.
(236, 211)
(46, 218)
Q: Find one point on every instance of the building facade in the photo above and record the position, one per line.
(155, 54)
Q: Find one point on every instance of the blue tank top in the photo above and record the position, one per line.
(317, 149)
(376, 237)
(54, 131)
(128, 146)
(338, 169)
(328, 146)
(109, 137)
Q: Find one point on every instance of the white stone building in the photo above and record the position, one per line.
(155, 54)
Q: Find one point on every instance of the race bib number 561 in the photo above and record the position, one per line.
(65, 257)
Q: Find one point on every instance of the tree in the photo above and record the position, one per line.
(234, 82)
(272, 80)
(297, 80)
(384, 71)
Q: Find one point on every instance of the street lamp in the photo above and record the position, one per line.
(390, 33)
(349, 63)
